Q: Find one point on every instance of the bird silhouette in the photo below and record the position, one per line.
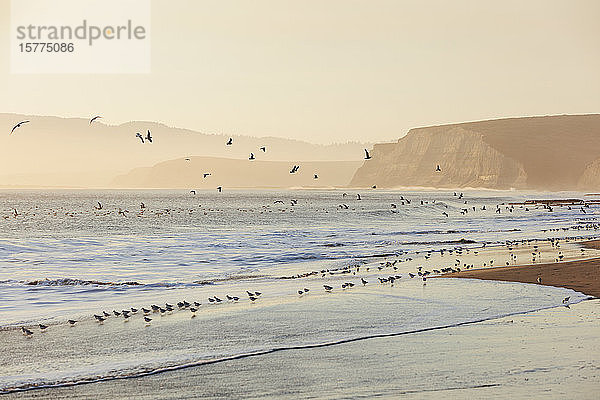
(367, 155)
(438, 168)
(229, 142)
(264, 149)
(95, 118)
(251, 157)
(149, 137)
(139, 135)
(19, 125)
(220, 189)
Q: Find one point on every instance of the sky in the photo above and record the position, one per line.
(335, 70)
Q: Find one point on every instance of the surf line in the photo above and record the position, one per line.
(267, 351)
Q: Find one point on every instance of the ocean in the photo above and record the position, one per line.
(69, 254)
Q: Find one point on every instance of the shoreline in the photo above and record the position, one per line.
(580, 275)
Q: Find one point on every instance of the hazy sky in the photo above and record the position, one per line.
(330, 70)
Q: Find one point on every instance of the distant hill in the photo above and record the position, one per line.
(54, 151)
(230, 173)
(541, 153)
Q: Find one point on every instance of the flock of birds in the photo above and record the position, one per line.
(194, 306)
(385, 273)
(148, 139)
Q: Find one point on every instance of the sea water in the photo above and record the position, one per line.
(64, 256)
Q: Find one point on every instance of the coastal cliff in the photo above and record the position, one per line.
(539, 153)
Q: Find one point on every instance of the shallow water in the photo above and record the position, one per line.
(194, 247)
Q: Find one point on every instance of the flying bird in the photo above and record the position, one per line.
(95, 118)
(149, 137)
(251, 156)
(264, 149)
(139, 135)
(367, 155)
(438, 169)
(220, 189)
(206, 174)
(19, 125)
(229, 142)
(316, 176)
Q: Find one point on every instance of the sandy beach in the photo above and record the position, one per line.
(580, 275)
(510, 357)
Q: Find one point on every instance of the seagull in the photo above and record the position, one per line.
(294, 169)
(72, 322)
(193, 192)
(206, 174)
(367, 155)
(220, 189)
(95, 118)
(229, 142)
(566, 299)
(149, 137)
(251, 156)
(327, 288)
(438, 169)
(358, 196)
(19, 125)
(306, 290)
(264, 149)
(26, 331)
(147, 319)
(139, 135)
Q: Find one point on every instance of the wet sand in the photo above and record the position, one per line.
(580, 275)
(546, 354)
